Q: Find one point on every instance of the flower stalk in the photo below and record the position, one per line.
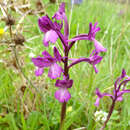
(109, 114)
(63, 114)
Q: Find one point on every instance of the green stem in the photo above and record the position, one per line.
(63, 114)
(109, 114)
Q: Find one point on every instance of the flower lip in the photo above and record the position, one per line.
(48, 61)
(98, 46)
(62, 95)
(54, 71)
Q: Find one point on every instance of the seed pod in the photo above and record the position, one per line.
(23, 88)
(39, 5)
(52, 1)
(10, 20)
(19, 39)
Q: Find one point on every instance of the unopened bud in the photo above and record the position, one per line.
(10, 20)
(19, 39)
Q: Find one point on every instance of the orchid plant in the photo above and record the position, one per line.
(118, 91)
(51, 27)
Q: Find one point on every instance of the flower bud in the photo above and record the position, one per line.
(19, 39)
(9, 20)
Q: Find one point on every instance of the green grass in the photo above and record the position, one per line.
(34, 110)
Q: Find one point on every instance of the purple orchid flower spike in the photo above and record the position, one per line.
(48, 27)
(52, 31)
(48, 61)
(118, 91)
(62, 94)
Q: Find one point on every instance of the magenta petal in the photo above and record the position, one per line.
(46, 54)
(39, 72)
(54, 71)
(39, 61)
(57, 54)
(96, 70)
(99, 47)
(62, 8)
(64, 83)
(97, 102)
(60, 13)
(44, 24)
(50, 36)
(62, 95)
(101, 95)
(123, 73)
(119, 98)
(98, 93)
(95, 59)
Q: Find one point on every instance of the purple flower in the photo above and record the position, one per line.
(93, 30)
(48, 61)
(59, 15)
(98, 46)
(48, 27)
(93, 60)
(119, 89)
(91, 37)
(62, 94)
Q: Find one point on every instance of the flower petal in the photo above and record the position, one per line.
(62, 94)
(45, 24)
(99, 47)
(96, 70)
(54, 71)
(120, 98)
(59, 15)
(41, 62)
(123, 73)
(50, 36)
(39, 71)
(57, 54)
(46, 54)
(97, 102)
(100, 95)
(93, 30)
(95, 59)
(64, 83)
